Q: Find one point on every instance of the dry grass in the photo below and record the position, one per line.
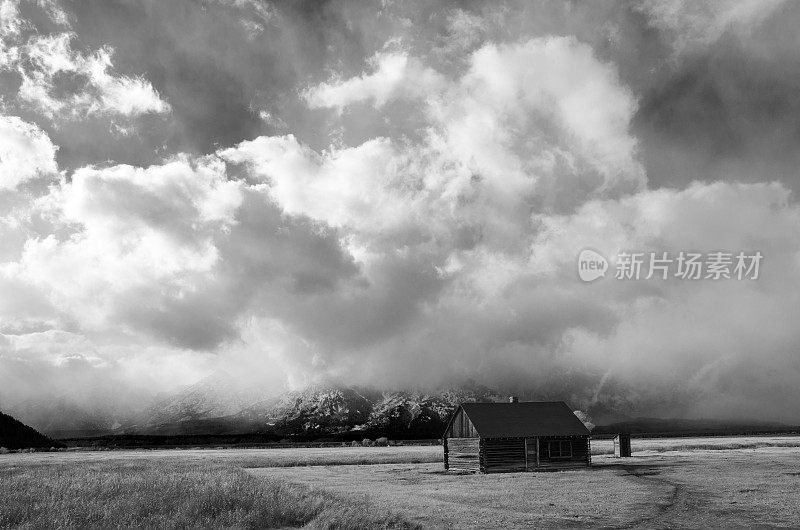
(212, 488)
(721, 443)
(284, 457)
(171, 494)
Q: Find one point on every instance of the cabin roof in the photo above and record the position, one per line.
(531, 418)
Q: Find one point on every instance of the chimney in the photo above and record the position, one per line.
(513, 399)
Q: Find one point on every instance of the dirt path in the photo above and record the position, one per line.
(720, 489)
(677, 495)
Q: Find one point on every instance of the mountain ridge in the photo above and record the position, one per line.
(218, 406)
(16, 435)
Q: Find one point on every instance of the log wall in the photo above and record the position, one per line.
(503, 455)
(462, 454)
(507, 455)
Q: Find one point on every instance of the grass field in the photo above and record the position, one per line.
(659, 445)
(718, 482)
(243, 458)
(697, 489)
(129, 491)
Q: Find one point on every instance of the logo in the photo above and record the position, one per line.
(669, 265)
(591, 265)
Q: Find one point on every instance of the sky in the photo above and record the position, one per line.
(396, 194)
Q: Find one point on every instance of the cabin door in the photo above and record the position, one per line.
(531, 453)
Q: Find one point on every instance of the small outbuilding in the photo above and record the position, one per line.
(622, 445)
(509, 437)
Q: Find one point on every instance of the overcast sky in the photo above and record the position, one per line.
(396, 193)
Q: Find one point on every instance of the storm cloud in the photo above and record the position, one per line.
(396, 194)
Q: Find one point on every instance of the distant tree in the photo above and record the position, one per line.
(585, 419)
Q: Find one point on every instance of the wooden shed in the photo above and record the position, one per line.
(622, 445)
(508, 437)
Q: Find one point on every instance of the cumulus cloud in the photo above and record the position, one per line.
(545, 108)
(569, 116)
(360, 188)
(172, 251)
(26, 152)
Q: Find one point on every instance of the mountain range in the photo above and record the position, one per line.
(220, 406)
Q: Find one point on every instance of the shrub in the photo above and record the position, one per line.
(366, 442)
(382, 441)
(355, 443)
(4, 451)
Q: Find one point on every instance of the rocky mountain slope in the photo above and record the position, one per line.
(219, 404)
(216, 405)
(215, 396)
(400, 414)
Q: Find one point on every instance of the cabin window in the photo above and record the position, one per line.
(559, 449)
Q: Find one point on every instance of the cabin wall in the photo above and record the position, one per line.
(508, 455)
(564, 452)
(462, 454)
(504, 455)
(461, 427)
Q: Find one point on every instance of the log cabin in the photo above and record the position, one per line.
(510, 437)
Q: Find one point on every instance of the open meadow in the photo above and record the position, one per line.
(689, 482)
